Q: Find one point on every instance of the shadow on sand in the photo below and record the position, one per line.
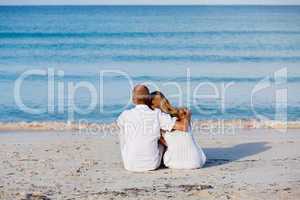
(220, 156)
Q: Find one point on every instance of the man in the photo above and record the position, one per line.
(140, 132)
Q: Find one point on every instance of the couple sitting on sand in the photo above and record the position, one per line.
(154, 131)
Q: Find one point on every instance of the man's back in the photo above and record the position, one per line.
(139, 135)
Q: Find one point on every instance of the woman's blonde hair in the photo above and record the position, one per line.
(165, 105)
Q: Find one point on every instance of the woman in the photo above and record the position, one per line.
(182, 150)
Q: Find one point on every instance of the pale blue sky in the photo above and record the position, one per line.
(150, 2)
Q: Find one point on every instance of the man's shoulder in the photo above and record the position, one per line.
(157, 110)
(127, 111)
(135, 111)
(123, 117)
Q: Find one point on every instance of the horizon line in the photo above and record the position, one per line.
(150, 4)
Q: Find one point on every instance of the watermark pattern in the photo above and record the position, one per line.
(186, 95)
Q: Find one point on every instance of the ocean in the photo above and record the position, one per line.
(223, 62)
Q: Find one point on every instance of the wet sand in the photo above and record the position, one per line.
(247, 164)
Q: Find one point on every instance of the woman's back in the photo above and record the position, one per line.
(183, 152)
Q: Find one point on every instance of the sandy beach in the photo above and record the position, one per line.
(69, 70)
(249, 164)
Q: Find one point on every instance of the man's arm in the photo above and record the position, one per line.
(121, 121)
(121, 124)
(162, 141)
(166, 122)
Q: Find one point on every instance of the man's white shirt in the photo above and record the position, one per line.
(139, 135)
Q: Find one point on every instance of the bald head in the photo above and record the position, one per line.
(140, 94)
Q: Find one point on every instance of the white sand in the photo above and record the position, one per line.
(252, 164)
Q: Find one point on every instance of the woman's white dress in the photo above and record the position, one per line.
(183, 152)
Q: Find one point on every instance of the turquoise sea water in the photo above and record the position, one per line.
(185, 51)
